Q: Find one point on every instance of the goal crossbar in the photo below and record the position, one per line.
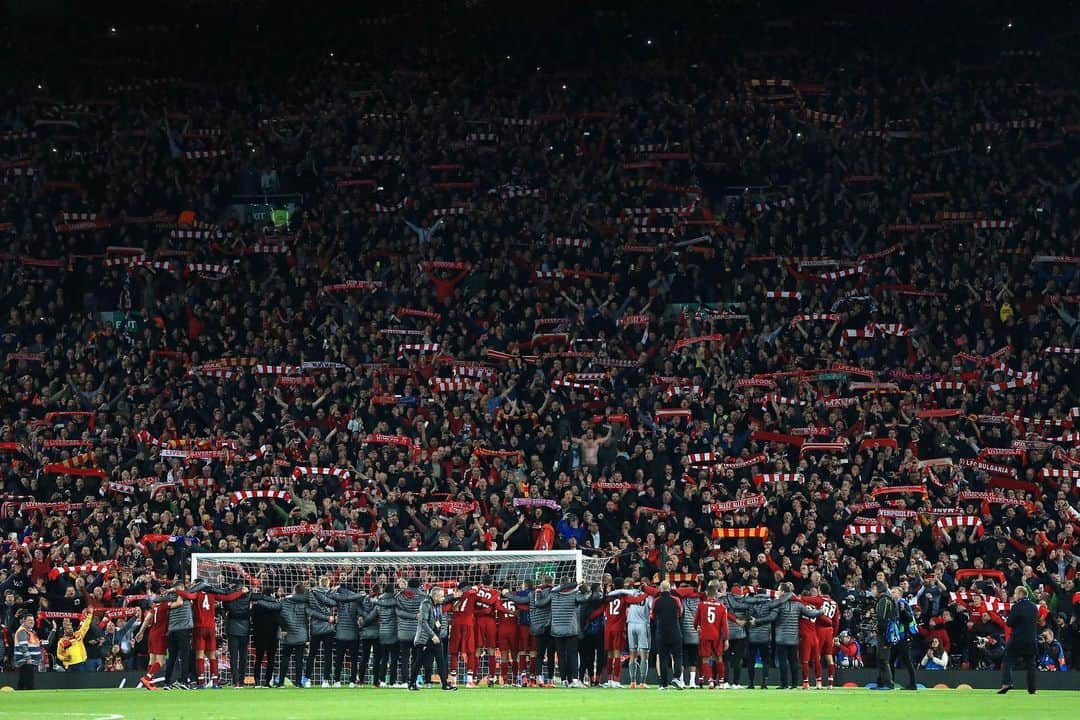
(586, 569)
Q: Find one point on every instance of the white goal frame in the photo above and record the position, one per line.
(581, 563)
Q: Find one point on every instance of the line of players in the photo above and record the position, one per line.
(510, 633)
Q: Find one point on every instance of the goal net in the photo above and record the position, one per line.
(278, 573)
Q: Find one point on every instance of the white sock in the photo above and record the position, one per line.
(693, 677)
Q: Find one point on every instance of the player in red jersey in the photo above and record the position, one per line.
(809, 650)
(463, 633)
(828, 625)
(711, 622)
(203, 639)
(506, 640)
(155, 625)
(615, 640)
(487, 598)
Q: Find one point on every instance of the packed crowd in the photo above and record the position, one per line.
(780, 306)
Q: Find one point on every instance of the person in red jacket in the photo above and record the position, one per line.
(444, 288)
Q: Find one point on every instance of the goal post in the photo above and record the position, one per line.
(372, 573)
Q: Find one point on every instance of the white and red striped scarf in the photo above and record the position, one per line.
(1059, 473)
(570, 384)
(94, 567)
(456, 384)
(876, 529)
(480, 372)
(209, 268)
(447, 211)
(117, 487)
(270, 249)
(947, 385)
(241, 495)
(830, 317)
(507, 193)
(667, 413)
(778, 477)
(953, 521)
(838, 446)
(262, 369)
(783, 295)
(685, 342)
(386, 209)
(354, 285)
(692, 391)
(340, 473)
(417, 347)
(1012, 384)
(364, 159)
(874, 387)
(782, 400)
(741, 463)
(571, 242)
(744, 503)
(702, 458)
(835, 275)
(183, 234)
(204, 154)
(499, 355)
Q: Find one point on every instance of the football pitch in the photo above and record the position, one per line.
(583, 704)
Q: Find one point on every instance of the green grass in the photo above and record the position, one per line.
(586, 704)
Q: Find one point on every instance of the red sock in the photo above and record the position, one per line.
(473, 663)
(200, 668)
(497, 665)
(805, 667)
(616, 669)
(152, 670)
(214, 669)
(721, 670)
(705, 671)
(817, 669)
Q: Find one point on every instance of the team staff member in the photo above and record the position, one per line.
(237, 633)
(27, 652)
(181, 625)
(1023, 643)
(431, 634)
(667, 612)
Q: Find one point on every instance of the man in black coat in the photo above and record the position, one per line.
(1023, 643)
(264, 626)
(238, 632)
(667, 612)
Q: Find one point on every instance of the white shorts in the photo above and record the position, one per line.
(638, 635)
